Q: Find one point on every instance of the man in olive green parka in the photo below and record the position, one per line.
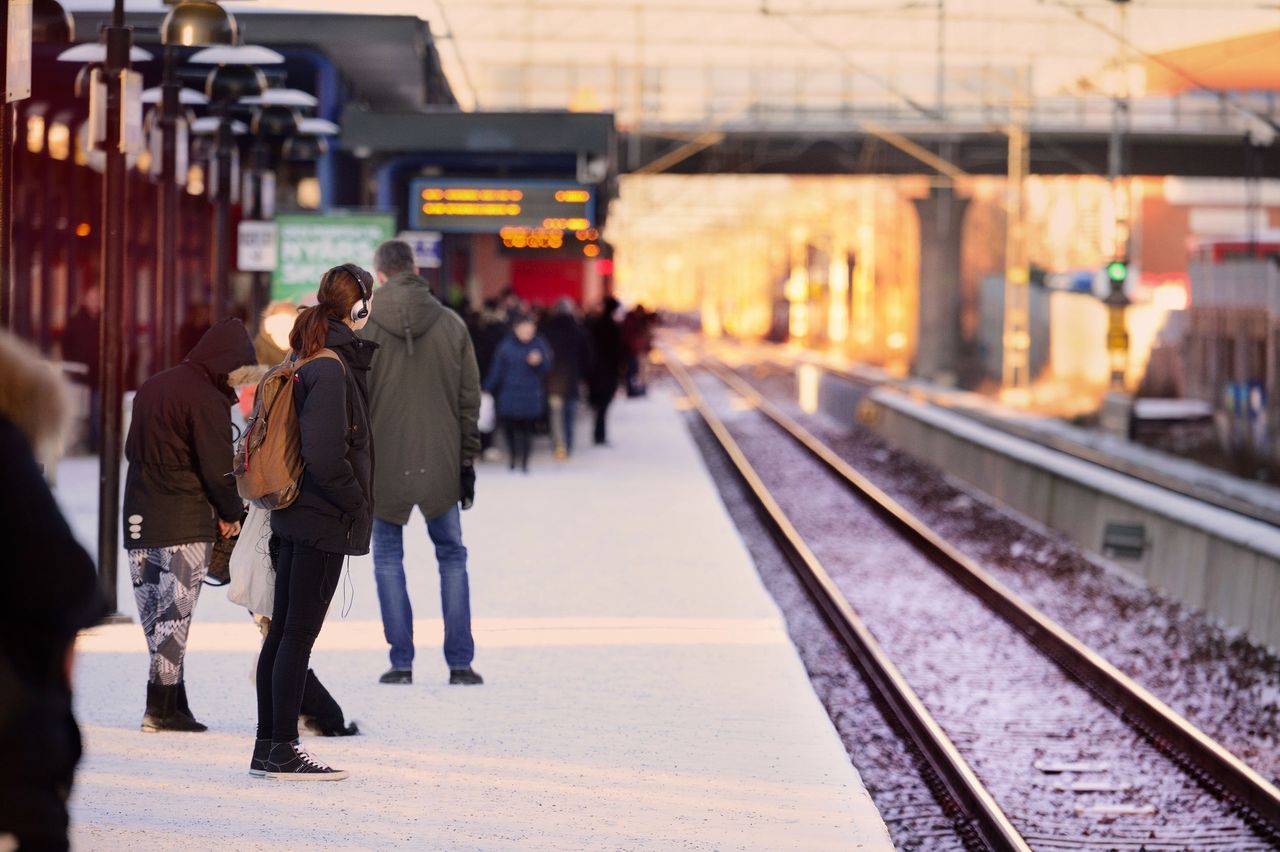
(424, 399)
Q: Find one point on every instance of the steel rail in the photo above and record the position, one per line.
(1203, 756)
(979, 813)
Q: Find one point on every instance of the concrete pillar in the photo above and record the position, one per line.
(941, 216)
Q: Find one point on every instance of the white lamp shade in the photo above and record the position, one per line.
(318, 127)
(95, 52)
(245, 54)
(282, 97)
(209, 124)
(185, 96)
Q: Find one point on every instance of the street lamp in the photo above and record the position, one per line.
(121, 86)
(281, 135)
(188, 24)
(235, 77)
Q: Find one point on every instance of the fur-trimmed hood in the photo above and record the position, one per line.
(34, 396)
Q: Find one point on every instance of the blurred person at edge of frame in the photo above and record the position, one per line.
(51, 592)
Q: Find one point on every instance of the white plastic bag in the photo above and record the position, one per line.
(488, 419)
(253, 581)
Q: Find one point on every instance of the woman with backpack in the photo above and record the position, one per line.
(331, 518)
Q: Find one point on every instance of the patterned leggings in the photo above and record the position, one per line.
(166, 584)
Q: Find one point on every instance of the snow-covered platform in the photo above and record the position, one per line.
(641, 690)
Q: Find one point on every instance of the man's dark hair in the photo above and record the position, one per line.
(393, 257)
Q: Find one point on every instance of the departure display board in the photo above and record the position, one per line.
(456, 205)
(551, 243)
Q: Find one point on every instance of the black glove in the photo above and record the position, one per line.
(468, 483)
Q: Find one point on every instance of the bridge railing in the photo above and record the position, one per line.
(822, 98)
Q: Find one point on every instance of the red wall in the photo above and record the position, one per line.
(544, 281)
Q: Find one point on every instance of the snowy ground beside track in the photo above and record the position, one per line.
(641, 690)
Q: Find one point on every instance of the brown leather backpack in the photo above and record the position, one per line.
(268, 461)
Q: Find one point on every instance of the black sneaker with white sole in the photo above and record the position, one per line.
(258, 763)
(291, 762)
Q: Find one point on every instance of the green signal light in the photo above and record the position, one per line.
(1117, 270)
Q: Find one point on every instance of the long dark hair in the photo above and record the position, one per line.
(340, 288)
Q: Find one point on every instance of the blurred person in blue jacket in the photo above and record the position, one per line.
(516, 381)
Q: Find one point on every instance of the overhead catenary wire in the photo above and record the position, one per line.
(452, 38)
(1226, 97)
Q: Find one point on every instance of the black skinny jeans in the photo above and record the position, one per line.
(519, 440)
(306, 579)
(601, 406)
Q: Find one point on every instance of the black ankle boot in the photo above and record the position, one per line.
(162, 711)
(183, 708)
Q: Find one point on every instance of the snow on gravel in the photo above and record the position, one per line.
(1225, 685)
(1002, 702)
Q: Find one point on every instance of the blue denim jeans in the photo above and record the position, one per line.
(455, 594)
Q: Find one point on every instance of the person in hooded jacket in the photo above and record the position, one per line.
(179, 496)
(569, 348)
(50, 593)
(425, 401)
(516, 382)
(331, 518)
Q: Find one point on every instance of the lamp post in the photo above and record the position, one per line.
(235, 77)
(1117, 270)
(275, 119)
(108, 75)
(188, 24)
(119, 40)
(281, 135)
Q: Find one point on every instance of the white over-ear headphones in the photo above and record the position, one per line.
(360, 309)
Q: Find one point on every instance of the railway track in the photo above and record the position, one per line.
(1174, 766)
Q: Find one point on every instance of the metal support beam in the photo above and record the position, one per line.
(1016, 363)
(111, 343)
(6, 177)
(166, 282)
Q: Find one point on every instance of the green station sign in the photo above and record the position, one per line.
(312, 244)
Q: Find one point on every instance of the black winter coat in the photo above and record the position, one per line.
(334, 509)
(179, 446)
(50, 591)
(608, 355)
(568, 354)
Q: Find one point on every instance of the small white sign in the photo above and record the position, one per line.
(97, 109)
(426, 247)
(256, 246)
(18, 76)
(1222, 222)
(132, 139)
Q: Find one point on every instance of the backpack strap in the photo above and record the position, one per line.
(323, 353)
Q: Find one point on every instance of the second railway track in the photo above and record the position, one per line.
(1038, 742)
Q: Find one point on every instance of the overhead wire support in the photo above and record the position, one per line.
(450, 36)
(888, 85)
(1229, 98)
